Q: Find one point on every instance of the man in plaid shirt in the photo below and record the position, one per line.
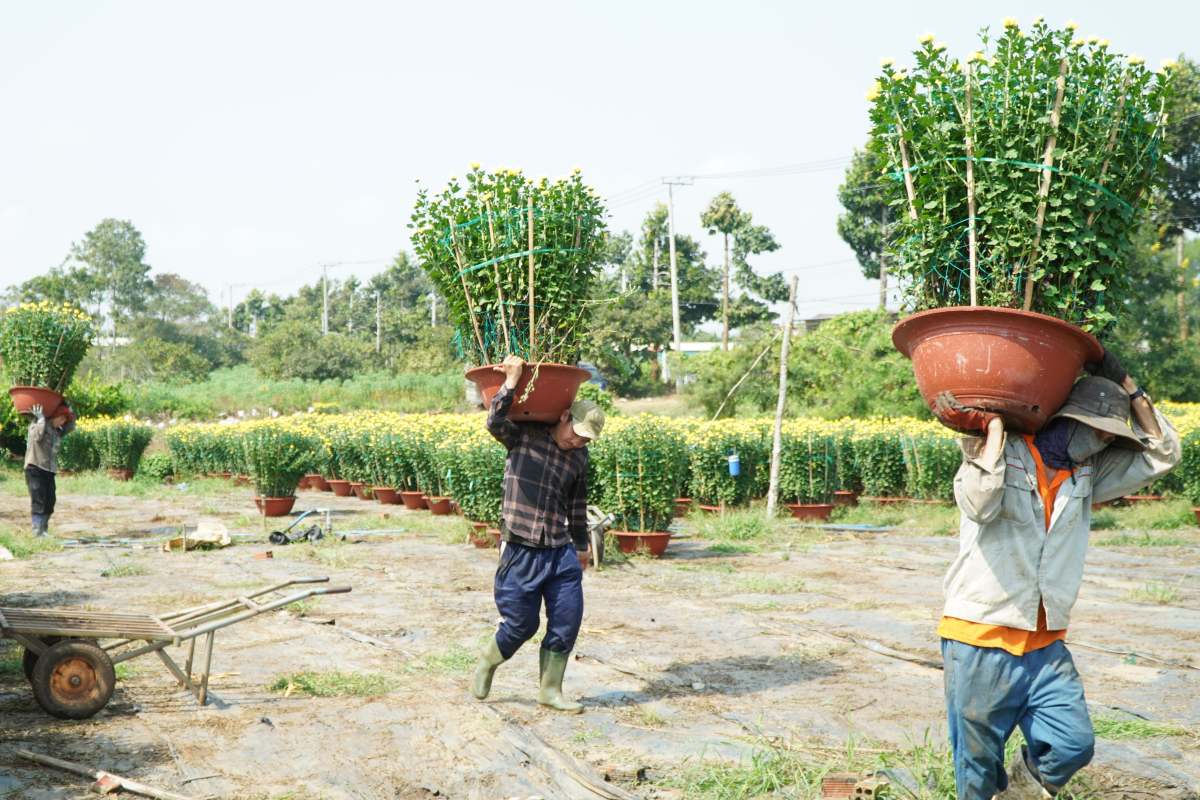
(543, 525)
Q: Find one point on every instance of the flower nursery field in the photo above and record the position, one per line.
(747, 662)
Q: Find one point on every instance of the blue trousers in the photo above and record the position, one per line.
(525, 577)
(989, 692)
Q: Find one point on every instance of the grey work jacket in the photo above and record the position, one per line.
(42, 443)
(1007, 560)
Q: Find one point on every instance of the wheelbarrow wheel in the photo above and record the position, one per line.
(73, 679)
(30, 658)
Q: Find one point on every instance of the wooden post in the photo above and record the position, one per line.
(487, 207)
(905, 164)
(777, 440)
(466, 293)
(973, 245)
(532, 321)
(1044, 189)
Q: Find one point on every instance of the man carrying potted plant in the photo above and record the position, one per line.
(543, 524)
(1026, 513)
(41, 462)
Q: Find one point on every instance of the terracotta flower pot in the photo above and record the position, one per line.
(478, 527)
(303, 483)
(320, 484)
(411, 500)
(811, 511)
(439, 506)
(360, 490)
(119, 473)
(24, 398)
(340, 487)
(653, 543)
(312, 481)
(424, 501)
(683, 506)
(709, 509)
(481, 538)
(275, 506)
(455, 508)
(494, 533)
(241, 480)
(554, 390)
(1017, 363)
(1143, 498)
(845, 497)
(386, 495)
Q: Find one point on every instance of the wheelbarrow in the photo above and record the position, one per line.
(70, 654)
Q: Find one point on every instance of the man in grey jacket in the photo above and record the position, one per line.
(1026, 515)
(41, 462)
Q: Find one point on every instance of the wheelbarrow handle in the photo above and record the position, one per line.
(324, 579)
(334, 590)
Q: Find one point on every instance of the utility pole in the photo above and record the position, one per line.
(677, 330)
(378, 324)
(654, 266)
(777, 441)
(882, 260)
(229, 309)
(324, 299)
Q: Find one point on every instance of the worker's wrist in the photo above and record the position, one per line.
(1129, 384)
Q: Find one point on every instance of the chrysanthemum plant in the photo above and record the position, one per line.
(1019, 175)
(42, 343)
(514, 259)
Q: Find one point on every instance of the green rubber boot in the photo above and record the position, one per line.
(550, 678)
(489, 659)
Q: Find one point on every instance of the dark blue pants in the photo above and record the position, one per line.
(989, 692)
(42, 494)
(525, 577)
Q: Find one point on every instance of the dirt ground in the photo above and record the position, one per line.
(698, 657)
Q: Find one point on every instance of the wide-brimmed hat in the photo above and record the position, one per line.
(1102, 404)
(587, 419)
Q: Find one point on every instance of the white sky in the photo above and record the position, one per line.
(252, 141)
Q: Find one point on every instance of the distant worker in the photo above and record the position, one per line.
(544, 528)
(41, 462)
(1026, 514)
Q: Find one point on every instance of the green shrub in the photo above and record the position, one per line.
(930, 464)
(1055, 230)
(474, 469)
(807, 468)
(78, 452)
(880, 458)
(638, 469)
(1189, 467)
(711, 482)
(601, 397)
(41, 344)
(121, 443)
(276, 459)
(157, 468)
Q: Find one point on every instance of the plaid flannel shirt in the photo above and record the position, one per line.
(545, 487)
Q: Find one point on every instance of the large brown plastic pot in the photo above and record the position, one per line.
(411, 500)
(275, 506)
(813, 512)
(120, 473)
(340, 487)
(439, 506)
(386, 495)
(845, 497)
(653, 543)
(554, 390)
(1017, 363)
(24, 398)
